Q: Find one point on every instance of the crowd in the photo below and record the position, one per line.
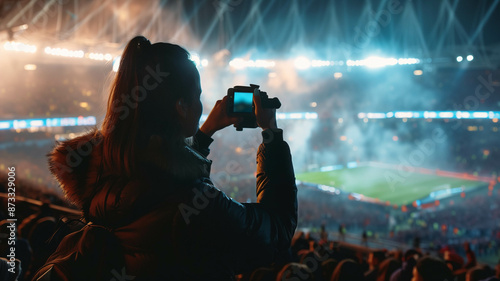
(312, 256)
(473, 217)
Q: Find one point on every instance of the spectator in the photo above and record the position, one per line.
(342, 232)
(471, 257)
(431, 269)
(328, 267)
(405, 273)
(138, 177)
(456, 264)
(364, 239)
(374, 261)
(263, 274)
(479, 273)
(387, 268)
(347, 270)
(28, 223)
(323, 235)
(295, 271)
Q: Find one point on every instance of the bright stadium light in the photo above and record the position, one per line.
(320, 63)
(470, 57)
(337, 75)
(405, 61)
(262, 63)
(460, 58)
(302, 63)
(351, 63)
(64, 52)
(237, 63)
(204, 62)
(418, 72)
(19, 47)
(100, 56)
(376, 62)
(30, 67)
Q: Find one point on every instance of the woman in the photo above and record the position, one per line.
(138, 177)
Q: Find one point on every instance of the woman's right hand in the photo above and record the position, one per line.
(266, 117)
(218, 118)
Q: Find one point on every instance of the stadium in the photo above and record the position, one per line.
(390, 109)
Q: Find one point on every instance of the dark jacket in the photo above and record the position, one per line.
(173, 229)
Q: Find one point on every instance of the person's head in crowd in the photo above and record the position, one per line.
(387, 268)
(313, 261)
(295, 271)
(396, 254)
(347, 270)
(375, 259)
(263, 274)
(429, 268)
(154, 101)
(453, 260)
(411, 254)
(478, 273)
(328, 267)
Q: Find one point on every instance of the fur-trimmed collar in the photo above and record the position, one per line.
(77, 164)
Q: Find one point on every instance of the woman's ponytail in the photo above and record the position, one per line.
(122, 107)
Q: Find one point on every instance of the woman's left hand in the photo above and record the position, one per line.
(218, 118)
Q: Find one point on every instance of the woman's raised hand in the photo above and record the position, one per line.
(218, 118)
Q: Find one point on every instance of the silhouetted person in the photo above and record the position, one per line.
(323, 235)
(364, 238)
(387, 268)
(374, 261)
(295, 271)
(471, 257)
(342, 232)
(478, 273)
(347, 270)
(139, 177)
(405, 273)
(431, 269)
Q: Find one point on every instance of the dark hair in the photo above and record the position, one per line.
(433, 269)
(347, 270)
(295, 270)
(149, 81)
(379, 255)
(410, 254)
(387, 268)
(480, 272)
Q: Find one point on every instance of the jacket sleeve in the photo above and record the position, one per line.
(201, 143)
(262, 231)
(276, 190)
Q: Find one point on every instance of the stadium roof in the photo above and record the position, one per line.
(330, 29)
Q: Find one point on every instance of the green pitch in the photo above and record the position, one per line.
(386, 184)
